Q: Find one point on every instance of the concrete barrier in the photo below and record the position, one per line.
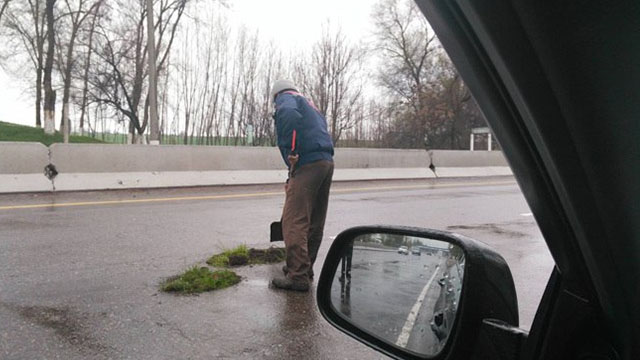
(455, 163)
(457, 158)
(22, 167)
(350, 158)
(88, 166)
(98, 166)
(91, 158)
(162, 179)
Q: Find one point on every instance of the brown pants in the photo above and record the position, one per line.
(305, 210)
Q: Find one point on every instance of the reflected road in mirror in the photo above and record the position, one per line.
(404, 290)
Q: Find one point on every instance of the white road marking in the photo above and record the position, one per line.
(526, 214)
(403, 339)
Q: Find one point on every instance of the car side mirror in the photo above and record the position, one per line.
(415, 293)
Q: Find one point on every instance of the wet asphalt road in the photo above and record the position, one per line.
(79, 272)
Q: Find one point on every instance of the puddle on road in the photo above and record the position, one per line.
(257, 282)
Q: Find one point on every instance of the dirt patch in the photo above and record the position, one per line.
(242, 256)
(238, 260)
(267, 256)
(67, 324)
(492, 228)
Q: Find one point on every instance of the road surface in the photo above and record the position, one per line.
(79, 272)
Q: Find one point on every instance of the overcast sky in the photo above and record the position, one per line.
(289, 23)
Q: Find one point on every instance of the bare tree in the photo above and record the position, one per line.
(192, 86)
(49, 93)
(87, 65)
(379, 122)
(408, 47)
(459, 111)
(270, 69)
(453, 96)
(215, 84)
(3, 7)
(119, 78)
(201, 79)
(248, 104)
(218, 47)
(25, 22)
(242, 48)
(76, 17)
(335, 86)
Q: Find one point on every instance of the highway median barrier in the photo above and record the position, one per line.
(78, 167)
(22, 167)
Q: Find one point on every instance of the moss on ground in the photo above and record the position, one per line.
(242, 255)
(200, 279)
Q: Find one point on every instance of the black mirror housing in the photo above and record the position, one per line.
(488, 293)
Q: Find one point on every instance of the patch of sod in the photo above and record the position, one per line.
(236, 254)
(242, 255)
(271, 255)
(200, 279)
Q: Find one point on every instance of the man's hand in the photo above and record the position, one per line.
(293, 160)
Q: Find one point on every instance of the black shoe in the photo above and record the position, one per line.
(288, 284)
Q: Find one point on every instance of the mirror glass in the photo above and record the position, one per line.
(404, 290)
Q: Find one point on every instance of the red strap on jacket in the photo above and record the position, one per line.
(293, 141)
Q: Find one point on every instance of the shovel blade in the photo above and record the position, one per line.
(276, 231)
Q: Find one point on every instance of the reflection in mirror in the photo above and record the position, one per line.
(402, 289)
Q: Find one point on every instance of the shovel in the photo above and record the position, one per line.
(276, 231)
(276, 226)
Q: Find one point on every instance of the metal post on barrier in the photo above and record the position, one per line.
(482, 130)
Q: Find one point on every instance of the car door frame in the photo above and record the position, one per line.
(496, 58)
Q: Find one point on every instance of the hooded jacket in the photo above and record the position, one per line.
(313, 142)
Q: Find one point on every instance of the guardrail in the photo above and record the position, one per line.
(32, 167)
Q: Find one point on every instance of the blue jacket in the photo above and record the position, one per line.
(313, 142)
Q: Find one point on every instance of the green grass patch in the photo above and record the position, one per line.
(236, 255)
(200, 279)
(242, 255)
(14, 132)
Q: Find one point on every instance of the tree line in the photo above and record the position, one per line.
(90, 57)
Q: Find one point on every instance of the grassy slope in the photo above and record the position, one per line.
(14, 132)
